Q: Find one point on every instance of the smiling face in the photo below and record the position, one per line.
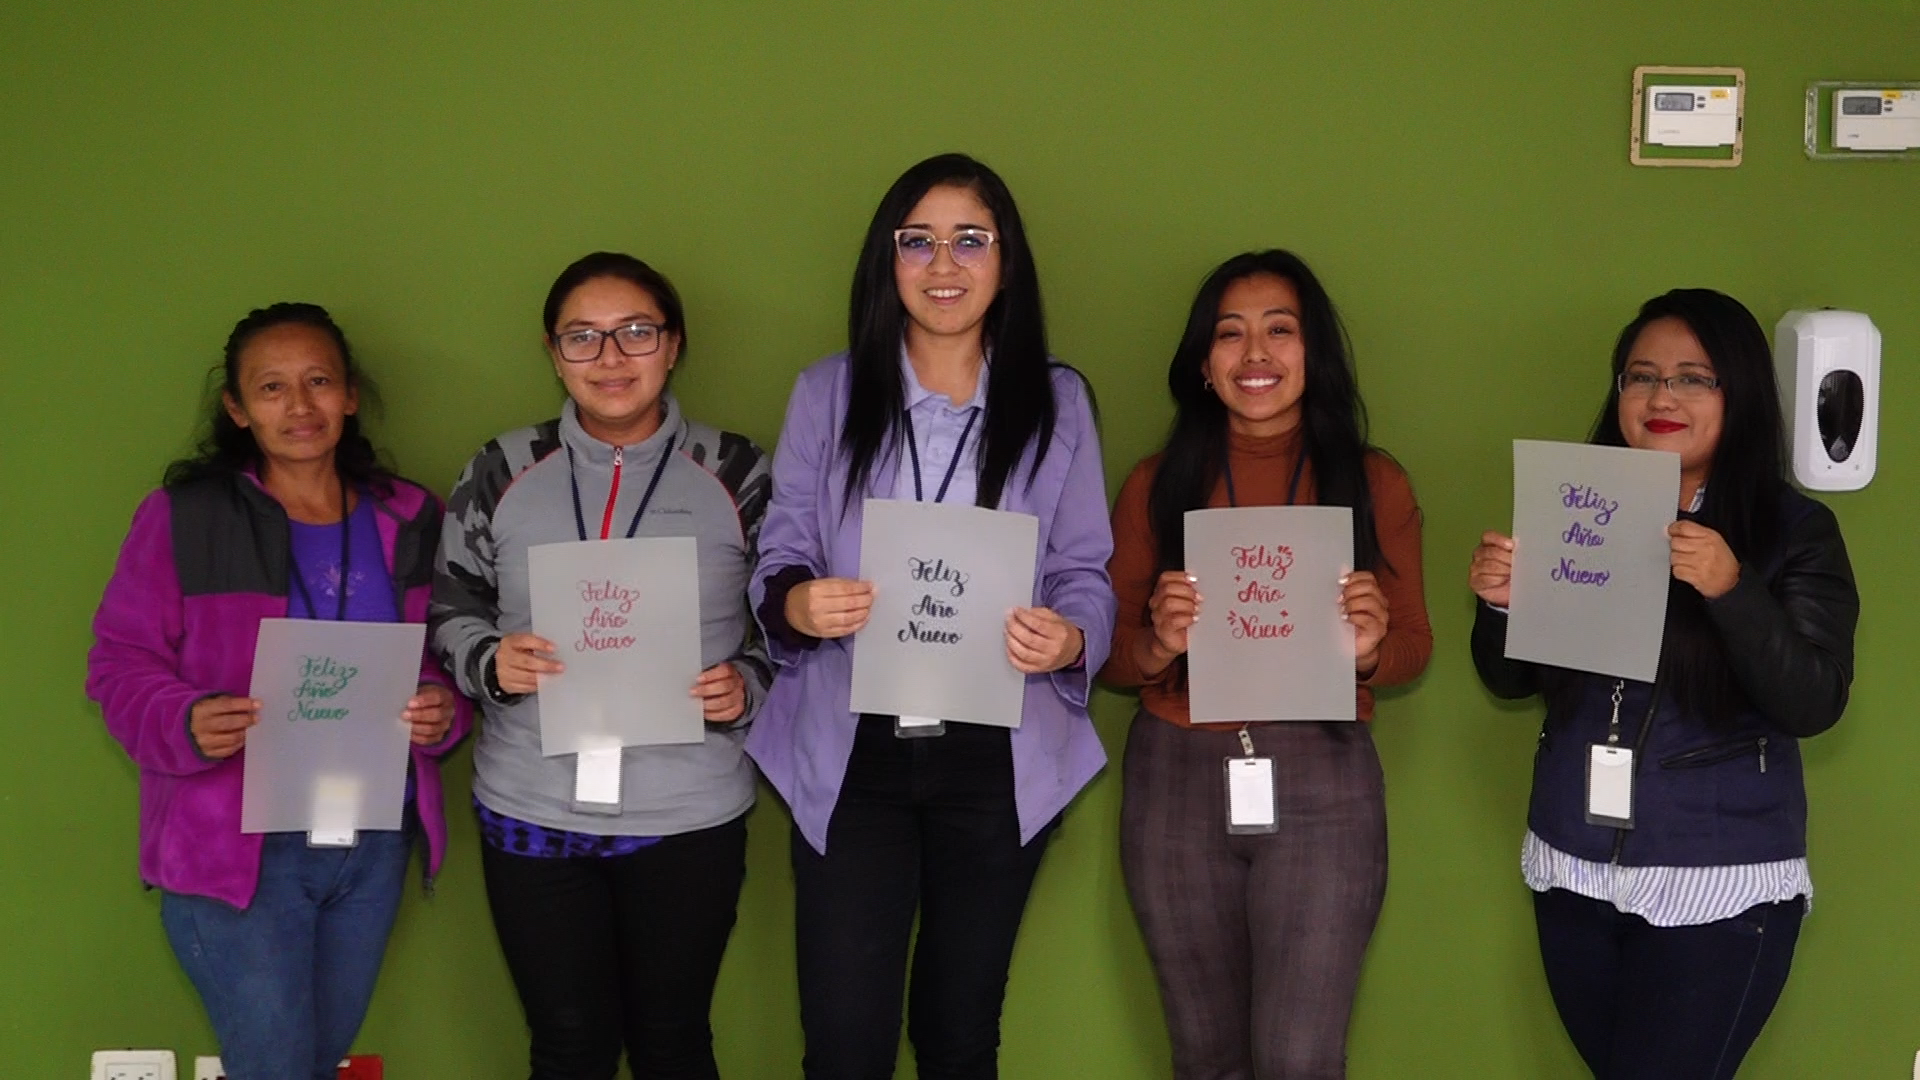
(1660, 420)
(618, 396)
(293, 395)
(1258, 364)
(943, 298)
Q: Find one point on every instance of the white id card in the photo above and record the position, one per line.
(1250, 801)
(918, 727)
(596, 781)
(1610, 786)
(335, 799)
(332, 838)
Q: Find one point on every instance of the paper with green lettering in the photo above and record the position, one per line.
(1591, 558)
(945, 578)
(624, 617)
(330, 750)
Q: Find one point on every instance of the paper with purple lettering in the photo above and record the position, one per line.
(945, 578)
(1590, 556)
(1270, 643)
(624, 618)
(330, 751)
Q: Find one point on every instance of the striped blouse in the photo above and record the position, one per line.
(1666, 895)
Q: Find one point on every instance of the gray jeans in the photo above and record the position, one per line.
(1256, 940)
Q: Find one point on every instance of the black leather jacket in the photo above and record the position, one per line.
(1706, 795)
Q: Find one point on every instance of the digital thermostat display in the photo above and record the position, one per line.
(1859, 105)
(1673, 102)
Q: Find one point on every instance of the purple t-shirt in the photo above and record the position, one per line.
(316, 563)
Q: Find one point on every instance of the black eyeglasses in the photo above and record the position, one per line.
(583, 346)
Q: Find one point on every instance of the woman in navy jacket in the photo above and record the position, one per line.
(1667, 943)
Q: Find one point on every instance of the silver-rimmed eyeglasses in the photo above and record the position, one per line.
(916, 247)
(1644, 383)
(585, 344)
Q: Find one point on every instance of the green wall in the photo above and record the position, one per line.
(1458, 174)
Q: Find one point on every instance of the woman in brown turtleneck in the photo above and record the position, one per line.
(1257, 939)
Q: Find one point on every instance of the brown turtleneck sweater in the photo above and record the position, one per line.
(1262, 469)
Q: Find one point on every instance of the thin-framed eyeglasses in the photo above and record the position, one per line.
(585, 344)
(1643, 384)
(916, 247)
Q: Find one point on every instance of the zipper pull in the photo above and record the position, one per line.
(1763, 753)
(619, 454)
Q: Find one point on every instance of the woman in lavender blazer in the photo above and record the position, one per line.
(946, 393)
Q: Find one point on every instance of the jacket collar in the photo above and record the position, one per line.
(586, 448)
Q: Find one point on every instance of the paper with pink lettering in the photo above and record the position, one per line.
(1270, 643)
(945, 577)
(330, 750)
(1591, 558)
(624, 617)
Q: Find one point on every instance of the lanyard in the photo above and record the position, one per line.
(346, 562)
(580, 517)
(913, 448)
(1293, 486)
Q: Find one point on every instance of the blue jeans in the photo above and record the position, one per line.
(1644, 1002)
(287, 980)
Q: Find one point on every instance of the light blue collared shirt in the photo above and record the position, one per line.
(938, 423)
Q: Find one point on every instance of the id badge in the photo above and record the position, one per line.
(335, 799)
(918, 727)
(1250, 796)
(596, 782)
(332, 838)
(1610, 786)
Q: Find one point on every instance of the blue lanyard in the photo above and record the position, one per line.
(1293, 486)
(346, 564)
(580, 517)
(913, 448)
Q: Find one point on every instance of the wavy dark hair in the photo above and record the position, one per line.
(614, 264)
(1333, 418)
(1744, 482)
(227, 448)
(1020, 403)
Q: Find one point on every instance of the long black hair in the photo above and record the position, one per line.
(1333, 418)
(1020, 405)
(1744, 481)
(228, 448)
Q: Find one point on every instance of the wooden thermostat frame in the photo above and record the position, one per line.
(1638, 121)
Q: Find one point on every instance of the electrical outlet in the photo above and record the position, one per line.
(208, 1068)
(133, 1065)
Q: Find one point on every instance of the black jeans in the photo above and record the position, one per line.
(1643, 1002)
(607, 952)
(926, 824)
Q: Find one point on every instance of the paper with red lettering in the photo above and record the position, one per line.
(624, 617)
(1270, 643)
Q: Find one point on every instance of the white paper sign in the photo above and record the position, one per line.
(330, 751)
(624, 617)
(1270, 644)
(945, 576)
(1591, 558)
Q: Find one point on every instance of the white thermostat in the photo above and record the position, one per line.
(1692, 115)
(1876, 119)
(1828, 367)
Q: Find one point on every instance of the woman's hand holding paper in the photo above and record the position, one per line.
(1491, 573)
(219, 724)
(1702, 559)
(429, 713)
(722, 693)
(830, 607)
(521, 660)
(1364, 605)
(1040, 640)
(1173, 609)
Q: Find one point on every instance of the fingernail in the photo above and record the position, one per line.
(1191, 580)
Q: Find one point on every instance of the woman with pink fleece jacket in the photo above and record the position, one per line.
(285, 512)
